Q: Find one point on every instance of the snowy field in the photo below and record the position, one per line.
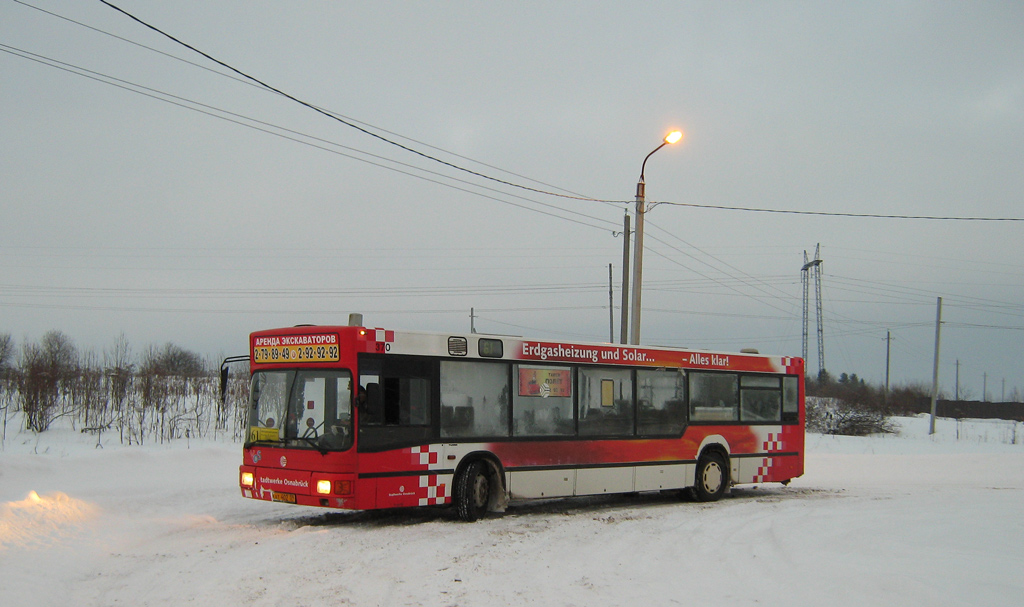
(899, 520)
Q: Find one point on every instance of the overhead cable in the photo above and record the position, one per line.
(835, 214)
(296, 136)
(258, 87)
(338, 118)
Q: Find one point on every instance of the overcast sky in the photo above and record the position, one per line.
(146, 190)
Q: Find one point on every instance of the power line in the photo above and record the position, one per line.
(352, 124)
(286, 133)
(836, 214)
(258, 87)
(338, 118)
(712, 279)
(743, 277)
(355, 124)
(912, 294)
(347, 292)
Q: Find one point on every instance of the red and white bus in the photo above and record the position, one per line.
(361, 418)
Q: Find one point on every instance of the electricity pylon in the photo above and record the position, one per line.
(813, 266)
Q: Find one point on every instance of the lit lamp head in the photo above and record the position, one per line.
(673, 137)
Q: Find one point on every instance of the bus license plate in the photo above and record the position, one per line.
(282, 497)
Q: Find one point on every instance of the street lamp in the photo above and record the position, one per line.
(638, 244)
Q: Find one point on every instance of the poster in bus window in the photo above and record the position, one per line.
(544, 382)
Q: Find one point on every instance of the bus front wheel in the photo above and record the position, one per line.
(712, 478)
(472, 491)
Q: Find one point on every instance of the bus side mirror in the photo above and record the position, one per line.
(223, 383)
(224, 374)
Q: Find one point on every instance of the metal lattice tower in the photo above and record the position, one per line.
(809, 267)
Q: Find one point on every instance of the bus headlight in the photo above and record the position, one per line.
(323, 487)
(247, 479)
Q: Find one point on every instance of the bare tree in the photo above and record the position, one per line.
(120, 373)
(171, 359)
(6, 350)
(166, 394)
(47, 371)
(173, 384)
(6, 381)
(847, 406)
(829, 415)
(89, 395)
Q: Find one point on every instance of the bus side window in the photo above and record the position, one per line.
(760, 399)
(474, 398)
(662, 401)
(406, 401)
(790, 400)
(392, 395)
(714, 397)
(542, 403)
(373, 411)
(398, 394)
(605, 401)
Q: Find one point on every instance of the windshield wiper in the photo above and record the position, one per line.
(314, 444)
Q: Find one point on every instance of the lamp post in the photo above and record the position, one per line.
(638, 244)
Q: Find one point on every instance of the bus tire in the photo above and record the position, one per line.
(472, 491)
(712, 479)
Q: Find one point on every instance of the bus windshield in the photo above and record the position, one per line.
(311, 408)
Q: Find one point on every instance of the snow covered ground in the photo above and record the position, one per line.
(901, 520)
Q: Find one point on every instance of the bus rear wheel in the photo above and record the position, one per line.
(712, 477)
(472, 491)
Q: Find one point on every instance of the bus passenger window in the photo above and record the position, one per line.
(372, 410)
(662, 402)
(760, 406)
(542, 402)
(398, 395)
(760, 398)
(605, 402)
(474, 399)
(714, 397)
(406, 401)
(790, 400)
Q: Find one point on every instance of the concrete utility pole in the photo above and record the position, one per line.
(624, 327)
(638, 244)
(888, 341)
(956, 383)
(935, 368)
(638, 256)
(611, 308)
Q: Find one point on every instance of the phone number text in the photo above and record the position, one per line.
(295, 354)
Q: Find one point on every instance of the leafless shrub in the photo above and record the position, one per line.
(847, 406)
(168, 395)
(835, 416)
(120, 375)
(47, 373)
(7, 381)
